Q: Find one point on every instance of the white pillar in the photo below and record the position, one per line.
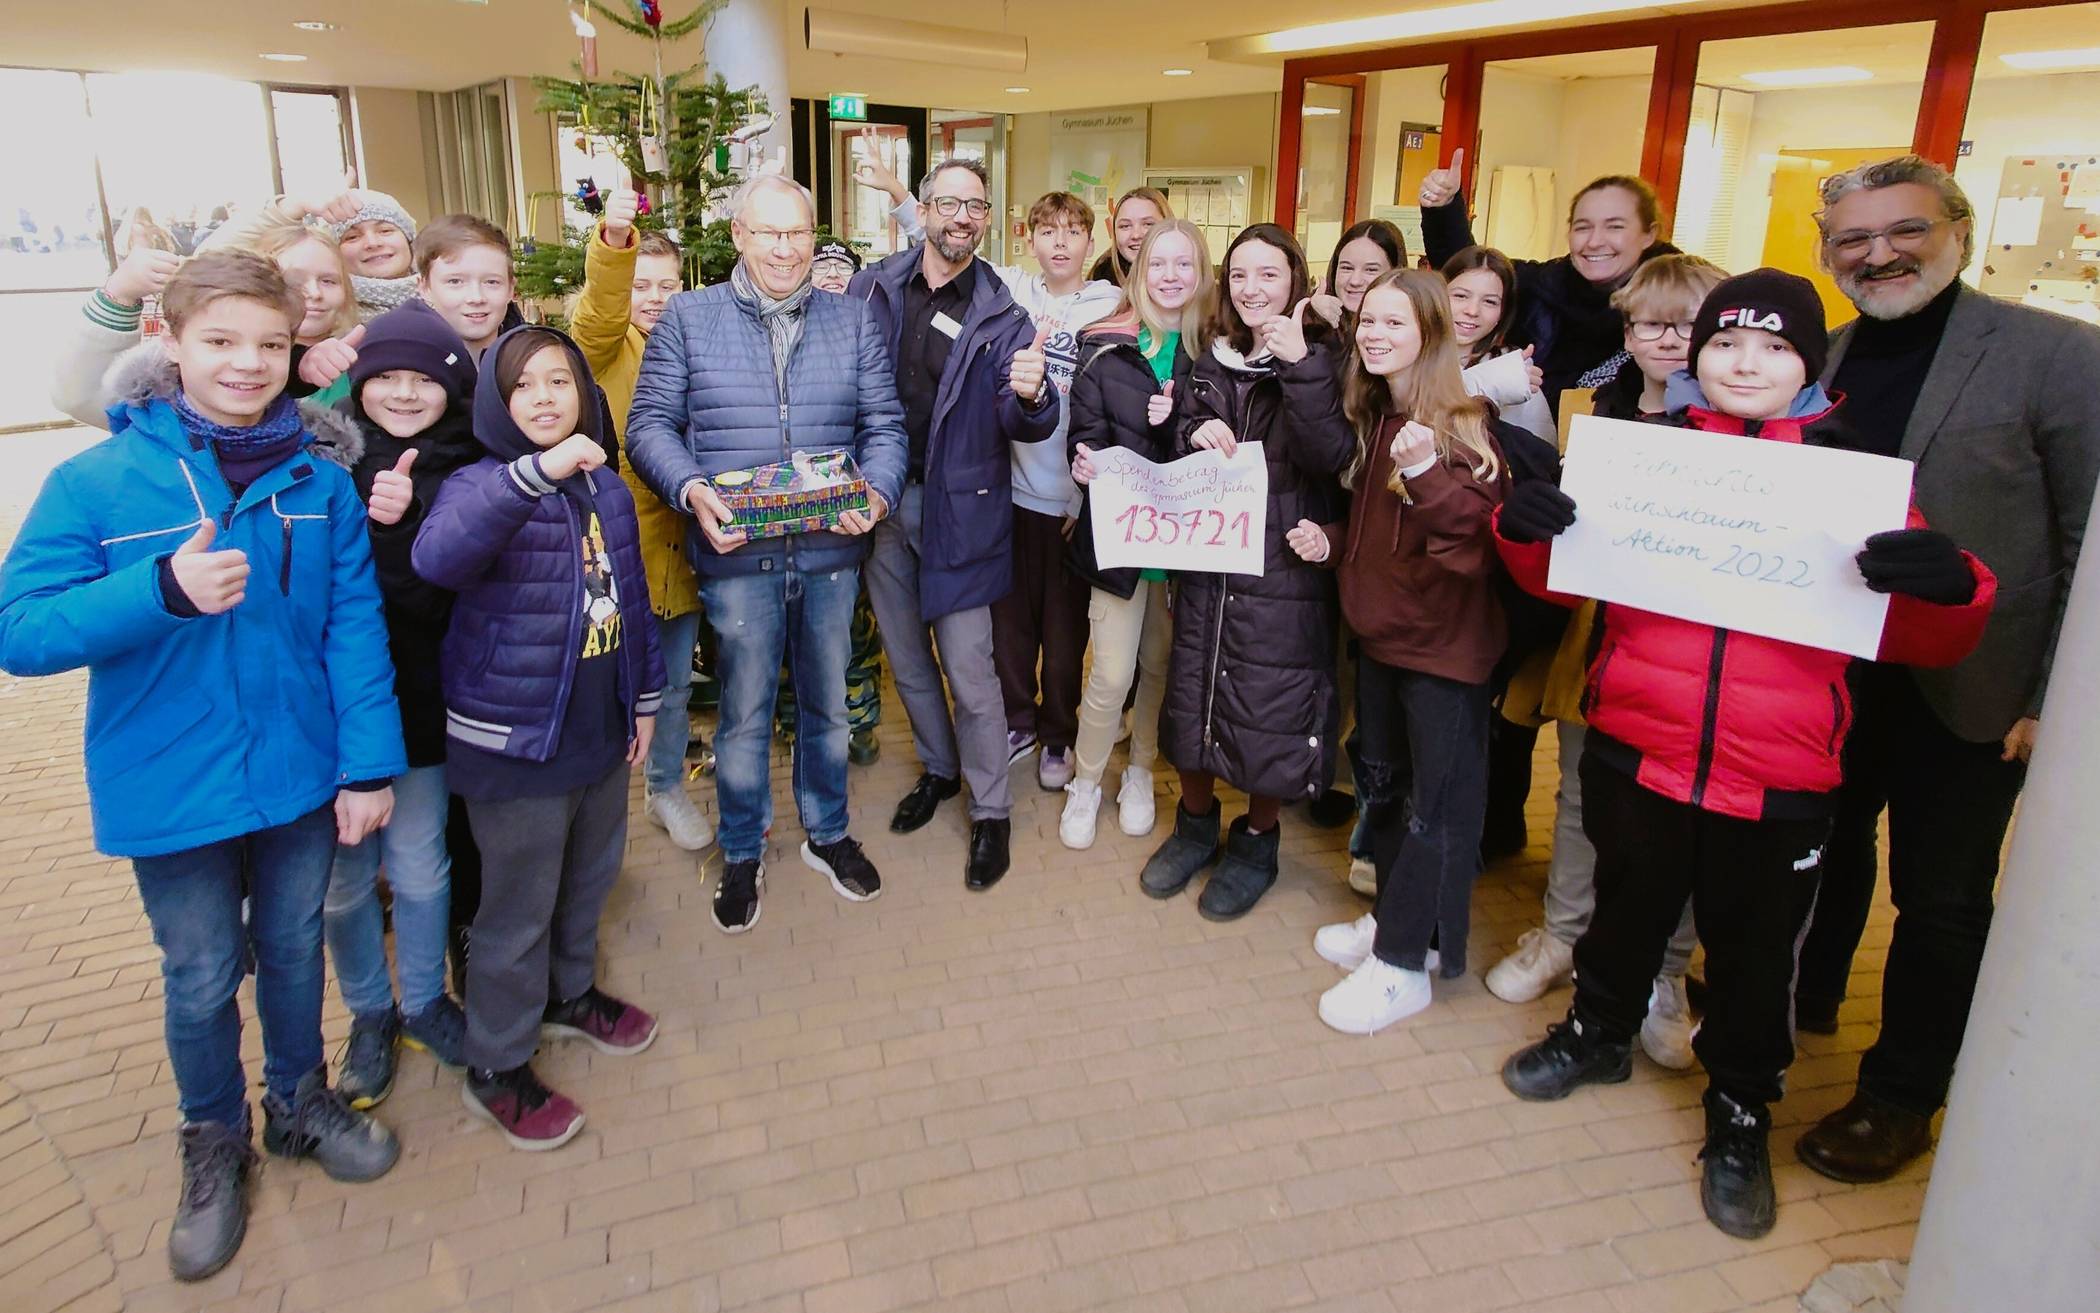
(2012, 1217)
(748, 45)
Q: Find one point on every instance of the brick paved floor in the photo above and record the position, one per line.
(1057, 1095)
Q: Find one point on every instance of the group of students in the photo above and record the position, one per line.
(456, 595)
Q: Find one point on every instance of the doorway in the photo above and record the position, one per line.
(1791, 236)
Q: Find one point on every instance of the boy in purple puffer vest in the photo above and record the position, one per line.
(550, 699)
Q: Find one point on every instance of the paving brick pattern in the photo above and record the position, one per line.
(1056, 1095)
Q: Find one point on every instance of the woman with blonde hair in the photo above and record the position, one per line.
(1123, 396)
(313, 264)
(1132, 217)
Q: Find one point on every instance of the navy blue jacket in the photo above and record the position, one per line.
(509, 543)
(966, 556)
(707, 401)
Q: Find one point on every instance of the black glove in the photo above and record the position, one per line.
(1920, 563)
(1535, 512)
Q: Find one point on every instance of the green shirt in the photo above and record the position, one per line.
(1162, 361)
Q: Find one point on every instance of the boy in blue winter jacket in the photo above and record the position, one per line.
(209, 565)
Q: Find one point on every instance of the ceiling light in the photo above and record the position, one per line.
(1391, 29)
(281, 57)
(1017, 91)
(1319, 111)
(1810, 77)
(1177, 72)
(2043, 59)
(314, 25)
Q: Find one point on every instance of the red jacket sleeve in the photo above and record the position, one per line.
(1528, 564)
(1918, 633)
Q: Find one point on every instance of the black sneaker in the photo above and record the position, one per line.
(1735, 1183)
(365, 1071)
(439, 1030)
(850, 871)
(736, 896)
(1567, 1059)
(211, 1218)
(348, 1145)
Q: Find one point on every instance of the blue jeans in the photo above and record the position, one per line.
(419, 870)
(665, 769)
(758, 618)
(193, 899)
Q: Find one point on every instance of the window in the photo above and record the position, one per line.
(1326, 173)
(1548, 125)
(466, 135)
(310, 140)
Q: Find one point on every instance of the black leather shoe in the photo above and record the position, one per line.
(1867, 1140)
(1735, 1181)
(988, 856)
(922, 802)
(1564, 1061)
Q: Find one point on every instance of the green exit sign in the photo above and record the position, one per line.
(849, 105)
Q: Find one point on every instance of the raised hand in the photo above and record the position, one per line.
(1329, 308)
(1160, 406)
(1215, 435)
(572, 454)
(1442, 184)
(145, 271)
(622, 204)
(215, 582)
(715, 519)
(339, 208)
(1084, 471)
(1309, 541)
(1284, 335)
(330, 358)
(392, 492)
(1532, 373)
(1412, 445)
(869, 170)
(1029, 370)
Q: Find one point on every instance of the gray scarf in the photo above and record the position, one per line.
(782, 318)
(376, 296)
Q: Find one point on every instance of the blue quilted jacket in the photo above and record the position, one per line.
(509, 542)
(707, 401)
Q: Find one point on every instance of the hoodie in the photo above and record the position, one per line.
(1042, 471)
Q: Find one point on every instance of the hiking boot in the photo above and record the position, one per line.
(678, 815)
(1053, 770)
(1666, 1032)
(1081, 816)
(1136, 812)
(439, 1030)
(527, 1113)
(211, 1218)
(1538, 963)
(863, 748)
(1192, 846)
(853, 877)
(1374, 996)
(1567, 1059)
(922, 802)
(607, 1024)
(736, 896)
(365, 1071)
(1248, 872)
(1735, 1181)
(318, 1124)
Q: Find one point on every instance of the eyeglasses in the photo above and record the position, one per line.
(1909, 235)
(796, 238)
(949, 206)
(1652, 330)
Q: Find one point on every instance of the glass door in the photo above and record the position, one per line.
(1548, 125)
(970, 134)
(1333, 124)
(860, 215)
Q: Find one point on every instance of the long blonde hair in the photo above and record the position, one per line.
(1137, 308)
(275, 241)
(1436, 391)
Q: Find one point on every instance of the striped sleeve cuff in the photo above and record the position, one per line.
(648, 704)
(525, 472)
(102, 312)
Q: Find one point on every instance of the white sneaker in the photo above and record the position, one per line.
(1374, 996)
(1666, 1035)
(1136, 812)
(681, 818)
(1075, 829)
(1538, 963)
(1363, 876)
(1346, 943)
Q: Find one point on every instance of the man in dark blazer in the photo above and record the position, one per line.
(1998, 406)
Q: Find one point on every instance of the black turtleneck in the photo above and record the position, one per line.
(1884, 370)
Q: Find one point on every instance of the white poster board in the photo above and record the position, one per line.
(1202, 512)
(1743, 533)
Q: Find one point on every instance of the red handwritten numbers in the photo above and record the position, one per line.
(1146, 524)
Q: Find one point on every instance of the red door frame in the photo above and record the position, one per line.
(1957, 38)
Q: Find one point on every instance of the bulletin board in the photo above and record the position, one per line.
(2044, 233)
(1217, 201)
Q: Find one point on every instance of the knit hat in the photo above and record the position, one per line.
(1772, 300)
(837, 250)
(415, 337)
(376, 205)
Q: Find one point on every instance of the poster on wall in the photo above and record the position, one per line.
(1097, 155)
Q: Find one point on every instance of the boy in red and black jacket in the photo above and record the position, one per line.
(1712, 756)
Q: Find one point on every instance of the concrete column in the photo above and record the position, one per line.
(2012, 1217)
(748, 45)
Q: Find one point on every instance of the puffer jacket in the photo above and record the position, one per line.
(1736, 723)
(205, 728)
(1111, 392)
(1251, 694)
(707, 401)
(509, 542)
(612, 346)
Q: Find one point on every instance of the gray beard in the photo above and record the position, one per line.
(953, 254)
(1932, 280)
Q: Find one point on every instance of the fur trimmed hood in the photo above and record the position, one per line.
(144, 373)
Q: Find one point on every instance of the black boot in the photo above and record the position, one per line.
(1736, 1183)
(1245, 875)
(1567, 1059)
(212, 1216)
(1867, 1140)
(1192, 846)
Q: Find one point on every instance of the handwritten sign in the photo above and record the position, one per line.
(1742, 533)
(1202, 512)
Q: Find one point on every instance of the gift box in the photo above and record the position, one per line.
(804, 494)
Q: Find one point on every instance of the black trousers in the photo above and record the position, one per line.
(1044, 616)
(1423, 783)
(1752, 886)
(1949, 803)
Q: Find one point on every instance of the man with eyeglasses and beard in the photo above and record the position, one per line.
(970, 372)
(1996, 405)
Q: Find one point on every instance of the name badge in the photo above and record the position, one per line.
(948, 327)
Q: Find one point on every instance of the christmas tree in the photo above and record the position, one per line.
(672, 131)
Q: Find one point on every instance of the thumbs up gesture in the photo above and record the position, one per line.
(1027, 374)
(1284, 335)
(1442, 184)
(392, 492)
(215, 582)
(339, 208)
(330, 358)
(622, 204)
(1160, 406)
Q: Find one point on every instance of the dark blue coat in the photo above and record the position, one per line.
(966, 554)
(509, 543)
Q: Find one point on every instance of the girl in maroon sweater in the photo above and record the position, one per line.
(1417, 564)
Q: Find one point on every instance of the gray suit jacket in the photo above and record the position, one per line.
(2006, 439)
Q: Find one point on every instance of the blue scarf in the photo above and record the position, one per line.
(246, 453)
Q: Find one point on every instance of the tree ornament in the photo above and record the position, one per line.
(587, 33)
(652, 13)
(587, 196)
